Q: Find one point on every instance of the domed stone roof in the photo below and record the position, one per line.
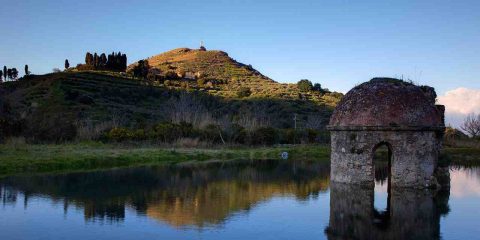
(388, 102)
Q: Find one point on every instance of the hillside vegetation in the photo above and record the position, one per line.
(193, 95)
(218, 74)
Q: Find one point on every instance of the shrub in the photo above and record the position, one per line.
(312, 135)
(211, 133)
(264, 136)
(119, 134)
(185, 129)
(288, 136)
(304, 85)
(201, 82)
(165, 131)
(171, 75)
(237, 134)
(139, 134)
(85, 67)
(244, 92)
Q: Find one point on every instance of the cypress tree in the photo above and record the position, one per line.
(95, 60)
(110, 61)
(118, 60)
(67, 64)
(26, 70)
(5, 72)
(103, 60)
(89, 59)
(1, 76)
(124, 62)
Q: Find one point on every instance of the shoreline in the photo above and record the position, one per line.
(72, 157)
(29, 158)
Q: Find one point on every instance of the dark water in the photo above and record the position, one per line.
(235, 200)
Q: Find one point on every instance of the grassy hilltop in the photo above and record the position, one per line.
(193, 94)
(221, 75)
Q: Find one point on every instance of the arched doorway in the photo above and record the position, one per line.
(382, 167)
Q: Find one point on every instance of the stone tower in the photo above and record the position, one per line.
(391, 112)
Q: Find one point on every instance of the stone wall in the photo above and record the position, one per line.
(414, 156)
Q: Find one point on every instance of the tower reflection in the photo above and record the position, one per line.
(410, 213)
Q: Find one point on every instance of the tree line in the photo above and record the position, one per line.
(11, 73)
(112, 62)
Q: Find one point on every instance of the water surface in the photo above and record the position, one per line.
(265, 199)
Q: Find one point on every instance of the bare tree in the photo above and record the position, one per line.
(471, 125)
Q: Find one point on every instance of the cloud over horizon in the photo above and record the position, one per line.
(459, 103)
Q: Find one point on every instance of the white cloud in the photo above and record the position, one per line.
(459, 103)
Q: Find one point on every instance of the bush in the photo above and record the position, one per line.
(304, 85)
(119, 134)
(85, 67)
(166, 132)
(237, 134)
(244, 92)
(264, 136)
(211, 133)
(201, 82)
(288, 136)
(171, 75)
(312, 135)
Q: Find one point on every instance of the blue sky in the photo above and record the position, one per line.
(336, 43)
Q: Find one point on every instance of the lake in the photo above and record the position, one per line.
(264, 199)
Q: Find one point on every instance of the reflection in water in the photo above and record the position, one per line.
(412, 214)
(188, 194)
(192, 201)
(465, 181)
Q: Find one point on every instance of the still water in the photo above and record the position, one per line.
(265, 199)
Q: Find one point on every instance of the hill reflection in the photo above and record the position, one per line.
(181, 195)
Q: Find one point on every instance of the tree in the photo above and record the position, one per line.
(9, 73)
(103, 60)
(89, 59)
(141, 69)
(471, 125)
(5, 72)
(67, 64)
(26, 70)
(14, 73)
(304, 85)
(1, 76)
(124, 63)
(317, 87)
(96, 60)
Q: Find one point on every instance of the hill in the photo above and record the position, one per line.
(221, 75)
(97, 105)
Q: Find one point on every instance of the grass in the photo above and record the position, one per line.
(25, 158)
(463, 156)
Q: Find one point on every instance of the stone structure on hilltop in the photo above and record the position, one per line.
(391, 112)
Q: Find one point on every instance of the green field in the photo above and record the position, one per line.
(25, 158)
